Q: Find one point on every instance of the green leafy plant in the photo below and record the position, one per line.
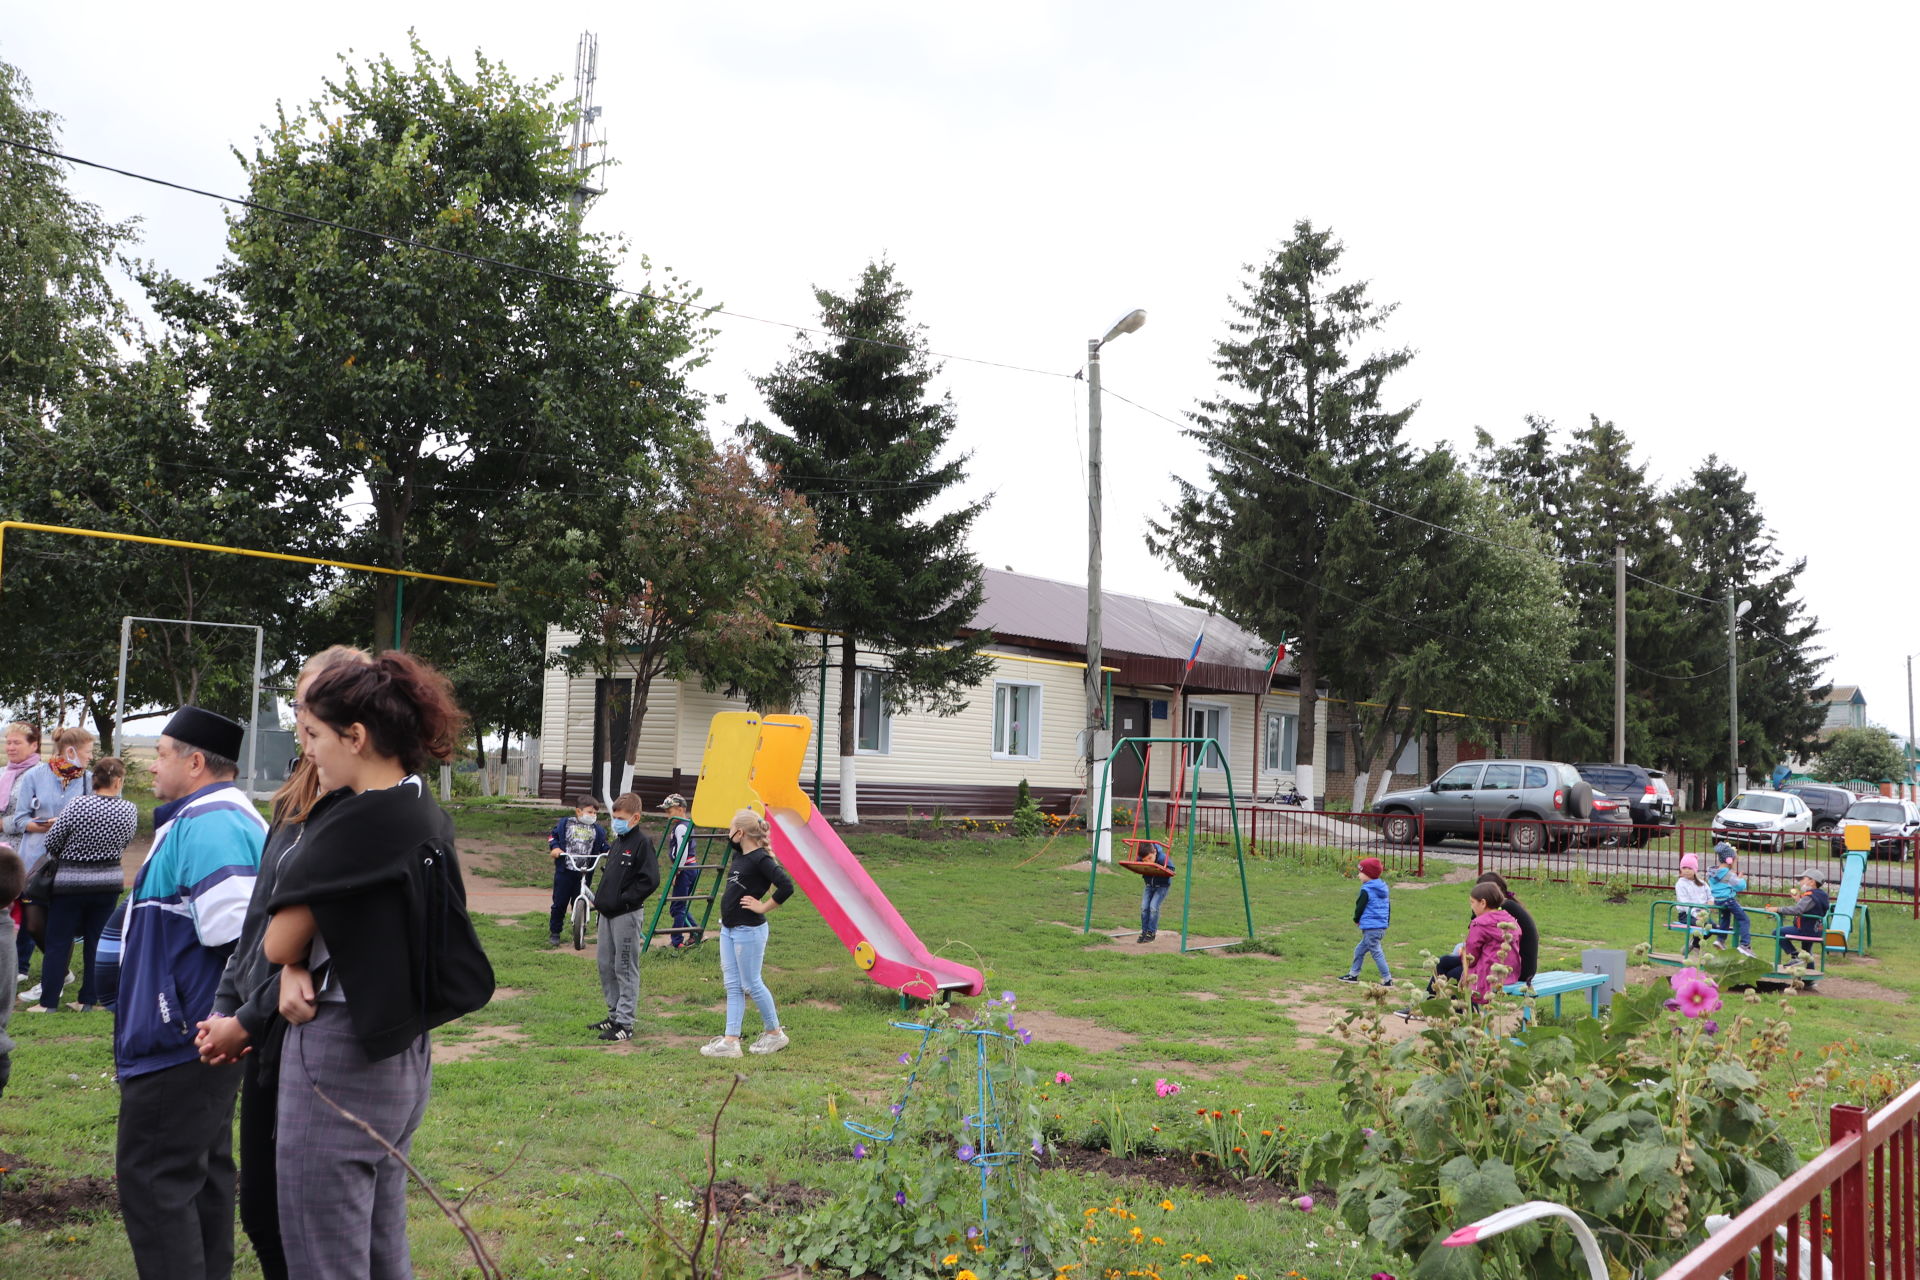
(916, 1204)
(1646, 1121)
(1027, 818)
(1247, 1151)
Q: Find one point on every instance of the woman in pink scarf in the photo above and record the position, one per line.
(1492, 939)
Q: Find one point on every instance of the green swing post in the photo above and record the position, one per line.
(1193, 803)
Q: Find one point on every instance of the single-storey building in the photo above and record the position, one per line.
(1025, 722)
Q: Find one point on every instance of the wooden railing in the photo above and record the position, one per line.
(1851, 1213)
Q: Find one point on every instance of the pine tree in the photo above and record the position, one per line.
(1727, 549)
(862, 442)
(1270, 539)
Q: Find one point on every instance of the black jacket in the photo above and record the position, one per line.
(380, 873)
(1529, 939)
(629, 875)
(751, 875)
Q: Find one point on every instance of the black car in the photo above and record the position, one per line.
(1891, 826)
(1648, 801)
(1829, 804)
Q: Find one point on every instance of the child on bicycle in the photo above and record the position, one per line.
(572, 839)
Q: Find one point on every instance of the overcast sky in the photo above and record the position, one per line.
(1694, 220)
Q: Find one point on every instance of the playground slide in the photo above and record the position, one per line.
(1840, 923)
(858, 913)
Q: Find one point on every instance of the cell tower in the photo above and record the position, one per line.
(586, 139)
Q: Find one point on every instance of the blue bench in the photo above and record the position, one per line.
(1557, 983)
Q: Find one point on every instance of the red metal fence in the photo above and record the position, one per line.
(1277, 831)
(1851, 1213)
(1892, 875)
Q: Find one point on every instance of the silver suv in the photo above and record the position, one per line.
(1891, 825)
(1523, 794)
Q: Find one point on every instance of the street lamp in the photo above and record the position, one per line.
(1736, 772)
(1098, 739)
(1913, 747)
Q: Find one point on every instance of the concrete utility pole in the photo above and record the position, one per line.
(1099, 741)
(1619, 650)
(1736, 773)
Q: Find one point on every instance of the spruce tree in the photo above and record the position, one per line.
(1270, 538)
(863, 438)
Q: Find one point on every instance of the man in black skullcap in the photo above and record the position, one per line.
(177, 927)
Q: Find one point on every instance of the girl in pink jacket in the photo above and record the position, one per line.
(1492, 939)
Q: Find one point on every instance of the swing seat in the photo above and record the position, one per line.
(1145, 866)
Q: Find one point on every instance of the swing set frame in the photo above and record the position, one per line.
(1143, 750)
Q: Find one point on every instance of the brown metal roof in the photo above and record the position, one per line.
(1148, 640)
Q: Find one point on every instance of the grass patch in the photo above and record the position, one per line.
(1239, 1028)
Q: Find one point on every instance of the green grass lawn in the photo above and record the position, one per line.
(553, 1128)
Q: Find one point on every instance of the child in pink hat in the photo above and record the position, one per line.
(1695, 898)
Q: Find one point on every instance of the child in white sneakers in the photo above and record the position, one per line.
(756, 884)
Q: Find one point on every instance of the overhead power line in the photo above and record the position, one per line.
(481, 259)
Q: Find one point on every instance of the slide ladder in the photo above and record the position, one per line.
(754, 762)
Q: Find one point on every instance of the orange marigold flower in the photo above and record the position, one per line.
(1167, 1205)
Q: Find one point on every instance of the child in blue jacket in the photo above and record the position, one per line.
(1726, 883)
(578, 836)
(1372, 913)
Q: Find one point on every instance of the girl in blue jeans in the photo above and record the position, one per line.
(751, 872)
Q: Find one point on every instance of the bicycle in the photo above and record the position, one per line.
(581, 912)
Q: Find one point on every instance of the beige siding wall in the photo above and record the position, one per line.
(919, 746)
(1245, 734)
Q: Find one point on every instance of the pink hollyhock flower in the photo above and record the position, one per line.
(1165, 1087)
(1061, 1077)
(1304, 1204)
(1697, 999)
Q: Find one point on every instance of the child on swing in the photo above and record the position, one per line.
(1153, 888)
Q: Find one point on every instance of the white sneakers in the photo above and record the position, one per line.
(721, 1047)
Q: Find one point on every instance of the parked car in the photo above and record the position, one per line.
(1829, 804)
(1644, 791)
(1610, 825)
(1890, 824)
(1763, 819)
(1523, 794)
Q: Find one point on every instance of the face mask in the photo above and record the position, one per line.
(621, 826)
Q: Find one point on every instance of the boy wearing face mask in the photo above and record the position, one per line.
(627, 879)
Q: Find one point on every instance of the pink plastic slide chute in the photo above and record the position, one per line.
(858, 913)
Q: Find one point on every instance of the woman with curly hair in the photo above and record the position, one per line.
(370, 928)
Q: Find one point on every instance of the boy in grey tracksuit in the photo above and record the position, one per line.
(627, 879)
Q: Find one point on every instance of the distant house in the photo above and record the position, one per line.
(1024, 722)
(1846, 709)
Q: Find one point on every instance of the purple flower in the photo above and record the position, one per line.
(904, 1059)
(859, 1151)
(1304, 1204)
(965, 1152)
(900, 1198)
(1711, 1027)
(1366, 1133)
(1025, 1036)
(1670, 1005)
(1038, 1150)
(895, 1109)
(973, 1233)
(1007, 996)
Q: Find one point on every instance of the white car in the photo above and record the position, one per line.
(1765, 820)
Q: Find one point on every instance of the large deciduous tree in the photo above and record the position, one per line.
(475, 350)
(1868, 755)
(683, 572)
(1272, 537)
(863, 438)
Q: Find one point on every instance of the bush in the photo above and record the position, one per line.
(915, 1208)
(1645, 1121)
(1027, 818)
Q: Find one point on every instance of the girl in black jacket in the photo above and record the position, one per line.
(751, 872)
(369, 926)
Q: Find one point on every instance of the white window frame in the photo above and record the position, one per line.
(1035, 694)
(1282, 743)
(1224, 736)
(885, 747)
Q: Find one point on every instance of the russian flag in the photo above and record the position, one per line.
(1195, 655)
